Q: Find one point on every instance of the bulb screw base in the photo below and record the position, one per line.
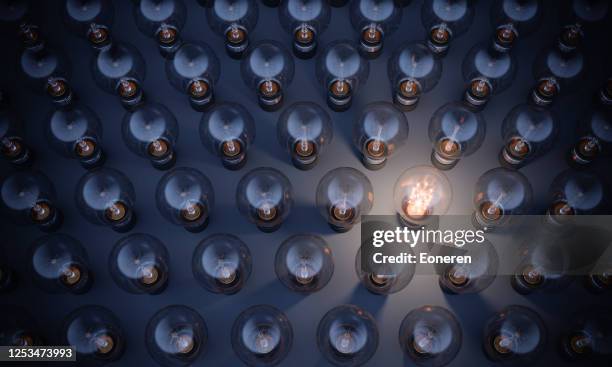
(507, 161)
(54, 223)
(305, 52)
(126, 224)
(98, 159)
(235, 164)
(305, 165)
(442, 163)
(201, 105)
(197, 227)
(165, 162)
(271, 105)
(405, 104)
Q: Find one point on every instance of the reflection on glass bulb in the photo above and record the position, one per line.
(304, 263)
(341, 69)
(106, 197)
(473, 277)
(262, 336)
(222, 263)
(47, 72)
(420, 195)
(18, 328)
(90, 19)
(595, 138)
(139, 264)
(513, 19)
(12, 145)
(515, 335)
(430, 336)
(374, 20)
(574, 193)
(557, 72)
(227, 130)
(347, 335)
(59, 264)
(305, 20)
(176, 336)
(233, 20)
(95, 333)
(265, 197)
(383, 278)
(381, 130)
(455, 132)
(444, 20)
(162, 20)
(343, 195)
(304, 129)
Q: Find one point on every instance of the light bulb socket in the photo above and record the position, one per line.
(441, 162)
(236, 41)
(126, 223)
(544, 92)
(371, 42)
(165, 162)
(270, 95)
(21, 156)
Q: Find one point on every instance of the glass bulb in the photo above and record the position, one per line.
(413, 70)
(420, 195)
(594, 138)
(119, 69)
(343, 195)
(90, 19)
(17, 326)
(59, 264)
(47, 72)
(162, 20)
(584, 12)
(381, 130)
(28, 197)
(444, 20)
(265, 197)
(151, 131)
(515, 335)
(305, 21)
(501, 193)
(14, 11)
(227, 130)
(340, 69)
(430, 336)
(194, 70)
(588, 336)
(513, 19)
(374, 20)
(95, 333)
(139, 264)
(347, 335)
(304, 129)
(222, 263)
(106, 197)
(267, 68)
(262, 336)
(557, 72)
(455, 132)
(76, 132)
(176, 336)
(233, 20)
(385, 278)
(12, 145)
(529, 132)
(574, 193)
(599, 278)
(185, 197)
(304, 263)
(488, 71)
(472, 277)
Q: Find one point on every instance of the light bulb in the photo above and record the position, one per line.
(119, 69)
(151, 131)
(420, 195)
(162, 20)
(515, 335)
(138, 264)
(28, 197)
(587, 338)
(488, 71)
(347, 336)
(529, 132)
(95, 333)
(265, 197)
(455, 132)
(341, 70)
(379, 132)
(14, 11)
(47, 72)
(343, 195)
(75, 132)
(262, 336)
(18, 328)
(176, 336)
(594, 138)
(233, 20)
(599, 278)
(471, 277)
(106, 197)
(90, 19)
(430, 336)
(500, 194)
(194, 70)
(413, 70)
(582, 14)
(304, 263)
(543, 266)
(605, 93)
(30, 36)
(557, 72)
(185, 197)
(305, 20)
(222, 263)
(12, 144)
(383, 278)
(267, 68)
(304, 129)
(575, 193)
(513, 19)
(227, 130)
(374, 20)
(445, 20)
